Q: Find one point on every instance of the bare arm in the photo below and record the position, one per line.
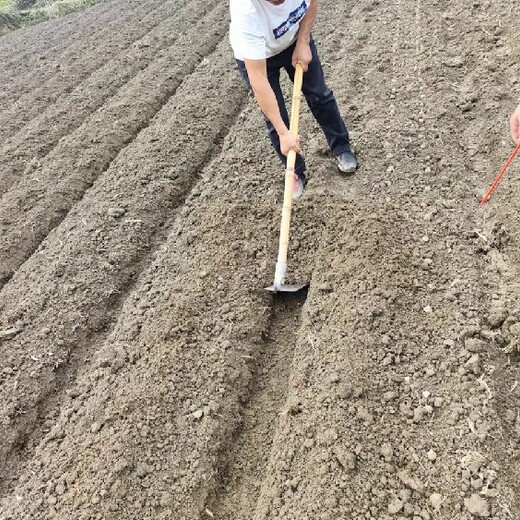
(257, 72)
(515, 126)
(306, 25)
(302, 53)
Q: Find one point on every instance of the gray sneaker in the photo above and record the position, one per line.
(347, 162)
(299, 186)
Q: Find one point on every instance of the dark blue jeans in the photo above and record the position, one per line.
(319, 97)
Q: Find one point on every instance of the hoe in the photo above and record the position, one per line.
(281, 264)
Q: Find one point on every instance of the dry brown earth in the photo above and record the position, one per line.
(146, 374)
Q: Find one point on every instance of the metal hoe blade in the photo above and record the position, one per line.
(286, 288)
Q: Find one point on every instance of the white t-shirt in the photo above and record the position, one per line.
(260, 29)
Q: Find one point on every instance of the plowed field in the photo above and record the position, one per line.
(144, 371)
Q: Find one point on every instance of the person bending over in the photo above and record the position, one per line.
(268, 36)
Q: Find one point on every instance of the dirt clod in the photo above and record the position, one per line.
(395, 506)
(436, 500)
(477, 506)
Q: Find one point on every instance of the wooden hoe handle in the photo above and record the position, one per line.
(281, 265)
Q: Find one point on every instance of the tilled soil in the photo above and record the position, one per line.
(146, 374)
(44, 70)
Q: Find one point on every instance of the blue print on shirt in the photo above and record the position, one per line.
(293, 19)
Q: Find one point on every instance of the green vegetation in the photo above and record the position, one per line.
(5, 5)
(18, 13)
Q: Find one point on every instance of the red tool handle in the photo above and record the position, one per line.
(500, 175)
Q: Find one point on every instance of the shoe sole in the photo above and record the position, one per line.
(347, 170)
(296, 196)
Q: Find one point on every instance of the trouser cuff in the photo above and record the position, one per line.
(342, 149)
